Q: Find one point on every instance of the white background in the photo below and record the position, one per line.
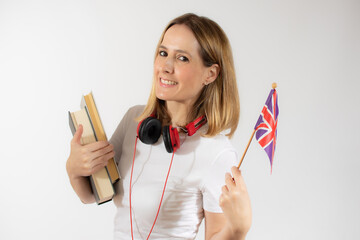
(52, 52)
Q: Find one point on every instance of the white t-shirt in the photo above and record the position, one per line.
(194, 185)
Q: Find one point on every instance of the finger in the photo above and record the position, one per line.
(224, 189)
(229, 181)
(103, 160)
(95, 146)
(222, 200)
(102, 151)
(236, 173)
(77, 136)
(239, 180)
(97, 168)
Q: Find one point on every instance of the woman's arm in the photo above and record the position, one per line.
(235, 221)
(82, 188)
(84, 161)
(217, 228)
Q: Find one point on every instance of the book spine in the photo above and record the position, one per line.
(71, 124)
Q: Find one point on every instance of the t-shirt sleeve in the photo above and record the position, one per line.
(117, 138)
(215, 179)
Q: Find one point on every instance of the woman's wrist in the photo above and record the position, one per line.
(68, 169)
(72, 175)
(80, 185)
(235, 232)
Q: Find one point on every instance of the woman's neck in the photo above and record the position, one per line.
(179, 113)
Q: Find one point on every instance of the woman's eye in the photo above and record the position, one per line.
(183, 59)
(163, 53)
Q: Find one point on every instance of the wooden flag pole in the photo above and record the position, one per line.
(274, 85)
(242, 158)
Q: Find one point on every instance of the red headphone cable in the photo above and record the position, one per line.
(162, 195)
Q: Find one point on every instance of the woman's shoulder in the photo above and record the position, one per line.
(132, 113)
(128, 119)
(219, 141)
(135, 111)
(215, 146)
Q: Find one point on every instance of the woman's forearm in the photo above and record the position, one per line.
(82, 188)
(227, 233)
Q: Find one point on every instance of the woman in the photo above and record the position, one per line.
(170, 194)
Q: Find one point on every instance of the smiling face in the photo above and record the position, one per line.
(179, 71)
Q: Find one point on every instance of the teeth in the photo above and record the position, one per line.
(168, 82)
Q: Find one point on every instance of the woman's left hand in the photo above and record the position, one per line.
(235, 203)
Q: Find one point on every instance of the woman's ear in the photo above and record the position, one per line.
(212, 73)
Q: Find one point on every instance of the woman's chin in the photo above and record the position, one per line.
(162, 96)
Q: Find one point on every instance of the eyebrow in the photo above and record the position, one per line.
(176, 50)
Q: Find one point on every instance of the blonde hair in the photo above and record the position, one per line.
(218, 101)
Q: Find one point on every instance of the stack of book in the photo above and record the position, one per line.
(102, 181)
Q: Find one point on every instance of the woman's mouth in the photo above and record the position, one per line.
(167, 82)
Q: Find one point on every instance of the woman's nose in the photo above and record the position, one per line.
(168, 65)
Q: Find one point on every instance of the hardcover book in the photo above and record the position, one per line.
(102, 181)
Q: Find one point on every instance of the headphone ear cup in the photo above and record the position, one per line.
(149, 130)
(171, 139)
(167, 139)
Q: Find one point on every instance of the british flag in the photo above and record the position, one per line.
(266, 125)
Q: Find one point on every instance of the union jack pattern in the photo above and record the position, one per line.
(266, 126)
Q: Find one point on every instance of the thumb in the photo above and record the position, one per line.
(78, 134)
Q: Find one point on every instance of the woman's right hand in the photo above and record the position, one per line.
(85, 160)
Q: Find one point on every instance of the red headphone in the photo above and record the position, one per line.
(149, 131)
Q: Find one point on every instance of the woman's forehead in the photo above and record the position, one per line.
(179, 37)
